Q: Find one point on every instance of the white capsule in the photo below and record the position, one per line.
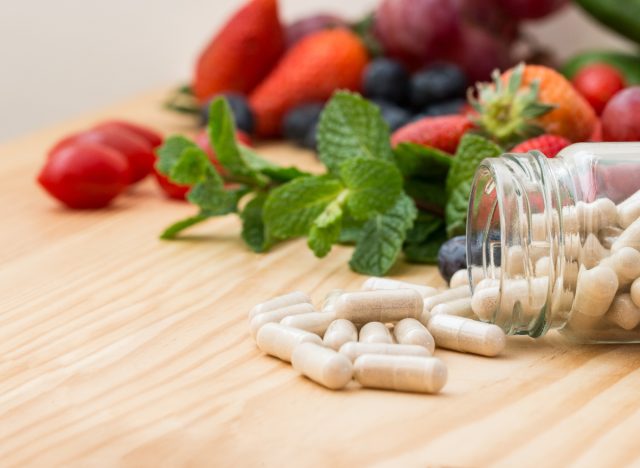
(459, 278)
(459, 307)
(277, 315)
(313, 322)
(466, 335)
(487, 283)
(484, 302)
(375, 332)
(322, 365)
(411, 332)
(340, 331)
(379, 306)
(601, 213)
(543, 266)
(629, 210)
(479, 276)
(630, 237)
(446, 296)
(530, 295)
(296, 297)
(592, 252)
(623, 312)
(353, 350)
(570, 275)
(595, 291)
(330, 299)
(515, 261)
(608, 235)
(279, 340)
(401, 373)
(375, 284)
(635, 292)
(625, 263)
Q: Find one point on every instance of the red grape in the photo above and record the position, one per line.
(303, 27)
(621, 116)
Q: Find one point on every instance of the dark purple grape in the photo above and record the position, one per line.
(452, 256)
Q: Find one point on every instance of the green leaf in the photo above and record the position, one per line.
(222, 133)
(374, 185)
(325, 230)
(424, 225)
(350, 127)
(253, 229)
(212, 198)
(351, 229)
(429, 196)
(172, 231)
(426, 251)
(170, 152)
(291, 209)
(271, 170)
(471, 151)
(422, 162)
(382, 238)
(191, 167)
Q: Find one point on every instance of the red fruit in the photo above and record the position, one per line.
(621, 116)
(598, 83)
(443, 133)
(531, 9)
(596, 136)
(136, 150)
(243, 53)
(179, 192)
(549, 145)
(312, 24)
(416, 31)
(85, 175)
(151, 136)
(311, 71)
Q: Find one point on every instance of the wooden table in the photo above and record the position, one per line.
(117, 348)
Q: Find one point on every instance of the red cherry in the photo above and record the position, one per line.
(598, 83)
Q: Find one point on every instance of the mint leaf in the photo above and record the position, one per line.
(191, 167)
(429, 196)
(351, 230)
(271, 170)
(172, 231)
(222, 133)
(426, 251)
(424, 226)
(325, 230)
(170, 152)
(374, 185)
(291, 209)
(211, 196)
(422, 162)
(471, 151)
(253, 229)
(350, 127)
(382, 238)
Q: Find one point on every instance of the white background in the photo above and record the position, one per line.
(60, 58)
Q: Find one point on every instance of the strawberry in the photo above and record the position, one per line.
(310, 71)
(530, 100)
(443, 132)
(243, 53)
(549, 145)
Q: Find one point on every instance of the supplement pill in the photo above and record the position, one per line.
(630, 237)
(595, 291)
(322, 365)
(296, 297)
(409, 331)
(629, 210)
(459, 278)
(353, 350)
(375, 332)
(277, 315)
(330, 300)
(340, 331)
(626, 264)
(623, 312)
(635, 292)
(446, 296)
(279, 340)
(466, 335)
(402, 373)
(375, 284)
(592, 252)
(460, 307)
(314, 322)
(484, 302)
(379, 306)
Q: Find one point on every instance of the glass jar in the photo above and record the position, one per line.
(554, 243)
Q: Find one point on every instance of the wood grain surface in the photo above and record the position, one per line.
(118, 349)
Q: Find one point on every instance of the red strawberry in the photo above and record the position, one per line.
(243, 53)
(310, 71)
(549, 145)
(443, 133)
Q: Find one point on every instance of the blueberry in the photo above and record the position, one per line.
(437, 83)
(386, 79)
(242, 113)
(452, 256)
(299, 122)
(395, 116)
(452, 106)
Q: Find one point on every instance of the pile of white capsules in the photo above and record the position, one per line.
(383, 336)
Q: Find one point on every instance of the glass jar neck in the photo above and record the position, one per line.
(518, 241)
